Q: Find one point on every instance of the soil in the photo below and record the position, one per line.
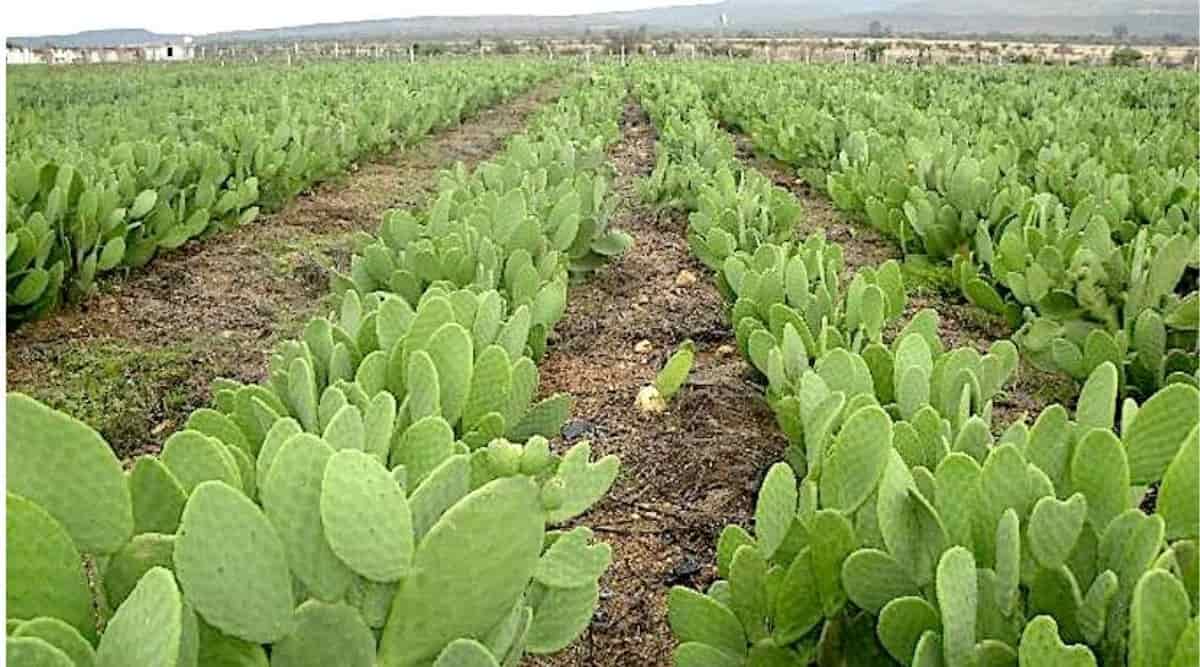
(686, 473)
(135, 359)
(960, 322)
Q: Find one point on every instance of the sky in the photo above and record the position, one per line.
(205, 16)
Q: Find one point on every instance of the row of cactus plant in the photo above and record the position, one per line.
(1091, 253)
(900, 529)
(84, 199)
(388, 496)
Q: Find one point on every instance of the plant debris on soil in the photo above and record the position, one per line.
(686, 473)
(961, 323)
(135, 359)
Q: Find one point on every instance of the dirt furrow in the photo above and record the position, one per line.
(134, 360)
(684, 474)
(930, 286)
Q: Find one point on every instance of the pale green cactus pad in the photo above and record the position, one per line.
(571, 562)
(291, 499)
(495, 533)
(232, 566)
(326, 634)
(60, 635)
(695, 617)
(585, 482)
(560, 615)
(135, 559)
(45, 571)
(465, 653)
(366, 517)
(193, 457)
(158, 497)
(65, 467)
(148, 626)
(221, 649)
(34, 652)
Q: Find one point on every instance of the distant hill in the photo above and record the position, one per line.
(94, 38)
(1144, 18)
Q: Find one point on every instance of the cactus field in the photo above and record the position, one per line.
(509, 362)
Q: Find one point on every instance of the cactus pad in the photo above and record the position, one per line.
(495, 533)
(232, 566)
(366, 516)
(66, 468)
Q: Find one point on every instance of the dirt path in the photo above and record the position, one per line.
(136, 359)
(961, 323)
(684, 474)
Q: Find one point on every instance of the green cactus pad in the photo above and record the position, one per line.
(1158, 617)
(279, 433)
(775, 509)
(214, 424)
(372, 599)
(34, 652)
(585, 482)
(1179, 495)
(495, 533)
(232, 566)
(674, 373)
(1158, 431)
(958, 600)
(559, 615)
(366, 516)
(148, 626)
(45, 571)
(1054, 527)
(1100, 472)
(732, 537)
(225, 651)
(544, 419)
(66, 468)
(571, 562)
(424, 446)
(158, 497)
(901, 624)
(798, 601)
(465, 653)
(748, 594)
(873, 578)
(379, 425)
(302, 394)
(854, 465)
(911, 529)
(326, 634)
(127, 566)
(346, 430)
(291, 499)
(1041, 647)
(442, 488)
(491, 382)
(833, 539)
(696, 654)
(60, 635)
(524, 385)
(452, 352)
(194, 458)
(422, 383)
(695, 617)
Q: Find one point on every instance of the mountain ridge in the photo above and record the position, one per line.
(1144, 18)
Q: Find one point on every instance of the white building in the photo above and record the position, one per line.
(20, 55)
(171, 51)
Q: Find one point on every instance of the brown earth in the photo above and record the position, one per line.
(135, 359)
(685, 474)
(960, 322)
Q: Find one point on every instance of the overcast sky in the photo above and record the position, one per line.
(204, 16)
